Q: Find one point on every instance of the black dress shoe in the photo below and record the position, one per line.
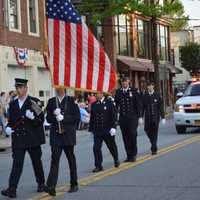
(117, 163)
(154, 153)
(132, 159)
(10, 192)
(73, 188)
(41, 188)
(50, 190)
(97, 169)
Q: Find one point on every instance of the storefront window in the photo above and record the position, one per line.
(143, 36)
(123, 35)
(163, 42)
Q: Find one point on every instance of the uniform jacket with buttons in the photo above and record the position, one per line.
(152, 108)
(27, 133)
(128, 103)
(103, 116)
(70, 111)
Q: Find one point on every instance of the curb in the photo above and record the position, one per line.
(5, 144)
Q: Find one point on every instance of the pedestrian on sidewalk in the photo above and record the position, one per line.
(63, 115)
(152, 111)
(3, 111)
(85, 116)
(128, 103)
(103, 126)
(2, 121)
(3, 101)
(25, 124)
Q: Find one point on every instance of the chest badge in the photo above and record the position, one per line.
(130, 94)
(105, 108)
(155, 100)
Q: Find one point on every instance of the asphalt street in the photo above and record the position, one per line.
(171, 175)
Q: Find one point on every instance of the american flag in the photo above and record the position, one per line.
(76, 57)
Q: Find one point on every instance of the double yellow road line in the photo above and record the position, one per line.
(124, 166)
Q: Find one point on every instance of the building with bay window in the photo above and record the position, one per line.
(134, 53)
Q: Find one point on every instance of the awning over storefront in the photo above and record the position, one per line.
(135, 64)
(172, 68)
(144, 65)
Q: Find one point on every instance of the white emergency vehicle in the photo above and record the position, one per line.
(187, 108)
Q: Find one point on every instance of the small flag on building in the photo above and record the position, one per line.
(76, 58)
(21, 55)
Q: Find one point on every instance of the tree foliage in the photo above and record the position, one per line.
(190, 57)
(180, 22)
(100, 9)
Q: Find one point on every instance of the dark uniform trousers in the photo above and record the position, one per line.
(129, 105)
(153, 110)
(63, 142)
(56, 154)
(18, 162)
(129, 134)
(28, 136)
(102, 120)
(152, 133)
(110, 143)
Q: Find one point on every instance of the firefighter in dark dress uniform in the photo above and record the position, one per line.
(63, 115)
(129, 106)
(25, 124)
(103, 126)
(153, 111)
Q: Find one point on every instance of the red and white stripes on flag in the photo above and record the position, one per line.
(76, 58)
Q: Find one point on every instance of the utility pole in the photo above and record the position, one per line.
(154, 50)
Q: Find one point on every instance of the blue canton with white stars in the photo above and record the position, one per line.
(62, 10)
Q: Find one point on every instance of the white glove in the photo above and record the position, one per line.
(57, 111)
(163, 121)
(140, 121)
(9, 131)
(59, 117)
(112, 131)
(30, 115)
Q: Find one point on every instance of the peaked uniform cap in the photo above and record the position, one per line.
(20, 82)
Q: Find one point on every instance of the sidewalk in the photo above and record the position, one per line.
(5, 143)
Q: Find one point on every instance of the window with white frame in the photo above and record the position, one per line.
(14, 15)
(33, 18)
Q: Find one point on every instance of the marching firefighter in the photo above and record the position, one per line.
(153, 111)
(129, 106)
(26, 127)
(63, 115)
(103, 126)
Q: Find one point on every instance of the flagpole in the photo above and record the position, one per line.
(45, 51)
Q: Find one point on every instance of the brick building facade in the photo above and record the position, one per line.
(22, 26)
